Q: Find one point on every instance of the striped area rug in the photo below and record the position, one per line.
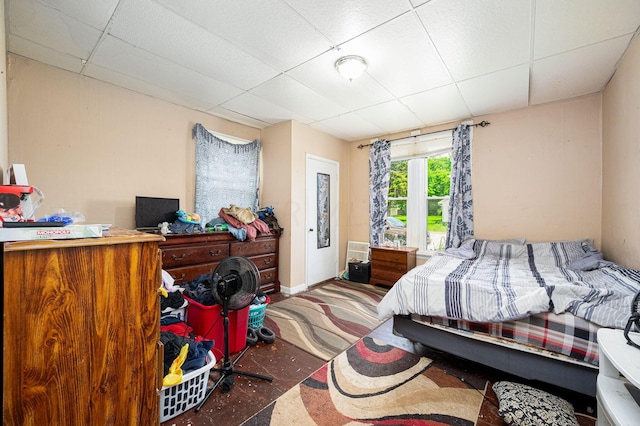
(375, 383)
(326, 320)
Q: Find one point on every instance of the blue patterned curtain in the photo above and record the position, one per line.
(379, 172)
(226, 174)
(461, 202)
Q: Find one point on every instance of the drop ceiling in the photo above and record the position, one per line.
(260, 62)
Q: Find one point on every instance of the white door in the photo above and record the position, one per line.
(322, 219)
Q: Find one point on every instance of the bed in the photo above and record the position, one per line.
(529, 309)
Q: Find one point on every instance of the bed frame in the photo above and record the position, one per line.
(575, 376)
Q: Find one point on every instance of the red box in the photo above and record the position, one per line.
(207, 321)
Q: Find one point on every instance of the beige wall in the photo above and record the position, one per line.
(4, 140)
(621, 162)
(286, 146)
(275, 188)
(541, 172)
(92, 147)
(306, 140)
(536, 173)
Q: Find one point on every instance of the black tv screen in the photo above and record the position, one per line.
(150, 211)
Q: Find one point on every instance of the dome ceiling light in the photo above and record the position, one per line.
(351, 66)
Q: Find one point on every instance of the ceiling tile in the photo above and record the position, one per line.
(145, 87)
(238, 118)
(46, 26)
(569, 24)
(269, 30)
(352, 125)
(476, 38)
(577, 72)
(341, 20)
(95, 13)
(258, 62)
(294, 96)
(437, 106)
(498, 91)
(253, 106)
(43, 54)
(401, 56)
(391, 116)
(330, 131)
(320, 75)
(123, 58)
(154, 28)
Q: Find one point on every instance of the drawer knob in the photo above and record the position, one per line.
(176, 258)
(215, 253)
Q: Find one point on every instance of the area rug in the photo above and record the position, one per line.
(377, 384)
(327, 320)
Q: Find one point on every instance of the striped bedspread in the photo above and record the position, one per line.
(498, 282)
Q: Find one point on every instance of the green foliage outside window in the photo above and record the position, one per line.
(439, 176)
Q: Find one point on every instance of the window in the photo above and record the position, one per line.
(417, 210)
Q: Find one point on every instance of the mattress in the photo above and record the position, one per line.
(565, 334)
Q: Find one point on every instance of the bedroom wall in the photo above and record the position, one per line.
(92, 147)
(620, 162)
(536, 173)
(290, 189)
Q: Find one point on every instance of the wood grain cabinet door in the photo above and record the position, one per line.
(81, 328)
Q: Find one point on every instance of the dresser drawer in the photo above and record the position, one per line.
(389, 256)
(190, 273)
(397, 268)
(268, 276)
(192, 255)
(264, 261)
(385, 275)
(252, 248)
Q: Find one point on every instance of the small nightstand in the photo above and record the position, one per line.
(389, 264)
(619, 373)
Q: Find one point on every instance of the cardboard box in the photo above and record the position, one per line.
(50, 233)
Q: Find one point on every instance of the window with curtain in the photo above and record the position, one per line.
(417, 209)
(227, 171)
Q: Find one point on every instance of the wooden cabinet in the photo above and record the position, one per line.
(81, 331)
(187, 256)
(389, 264)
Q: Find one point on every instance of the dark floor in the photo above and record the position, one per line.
(288, 366)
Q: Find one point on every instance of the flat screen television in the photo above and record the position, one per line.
(150, 211)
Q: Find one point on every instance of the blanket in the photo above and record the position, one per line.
(488, 281)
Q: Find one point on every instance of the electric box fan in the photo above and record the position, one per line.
(235, 283)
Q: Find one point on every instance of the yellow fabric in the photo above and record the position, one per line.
(244, 215)
(175, 372)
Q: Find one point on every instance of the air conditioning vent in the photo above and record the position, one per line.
(357, 252)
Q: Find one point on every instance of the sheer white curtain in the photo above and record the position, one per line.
(226, 173)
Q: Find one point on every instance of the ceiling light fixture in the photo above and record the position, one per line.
(351, 66)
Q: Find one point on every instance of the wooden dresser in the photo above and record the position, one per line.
(389, 264)
(81, 331)
(187, 256)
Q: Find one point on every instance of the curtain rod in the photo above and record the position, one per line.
(481, 124)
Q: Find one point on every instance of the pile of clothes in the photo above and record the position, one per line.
(175, 332)
(243, 223)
